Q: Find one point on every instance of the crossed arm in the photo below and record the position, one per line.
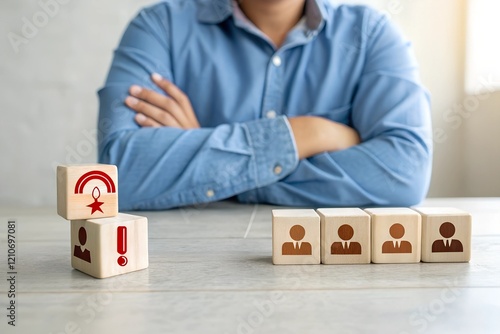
(166, 159)
(312, 134)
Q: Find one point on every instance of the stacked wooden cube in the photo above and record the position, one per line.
(104, 242)
(378, 235)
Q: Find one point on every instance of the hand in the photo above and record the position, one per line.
(156, 110)
(314, 135)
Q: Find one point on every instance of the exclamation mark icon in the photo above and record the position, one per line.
(121, 245)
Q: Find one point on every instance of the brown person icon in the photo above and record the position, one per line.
(346, 232)
(297, 233)
(397, 231)
(447, 230)
(82, 238)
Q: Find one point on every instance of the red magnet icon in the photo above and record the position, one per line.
(96, 193)
(121, 245)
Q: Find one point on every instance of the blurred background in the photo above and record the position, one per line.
(55, 55)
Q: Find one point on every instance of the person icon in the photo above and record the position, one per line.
(447, 230)
(297, 233)
(82, 238)
(345, 232)
(397, 231)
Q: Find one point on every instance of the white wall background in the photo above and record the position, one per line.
(49, 105)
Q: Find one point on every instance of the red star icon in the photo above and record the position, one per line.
(96, 206)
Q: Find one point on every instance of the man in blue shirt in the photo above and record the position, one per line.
(290, 102)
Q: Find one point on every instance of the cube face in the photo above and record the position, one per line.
(345, 236)
(109, 246)
(87, 191)
(296, 237)
(446, 235)
(396, 235)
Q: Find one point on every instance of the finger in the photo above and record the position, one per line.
(145, 121)
(162, 117)
(178, 95)
(162, 102)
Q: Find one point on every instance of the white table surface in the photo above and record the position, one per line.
(210, 272)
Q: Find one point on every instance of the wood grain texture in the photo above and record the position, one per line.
(387, 310)
(396, 235)
(206, 274)
(82, 194)
(106, 247)
(446, 234)
(345, 236)
(296, 237)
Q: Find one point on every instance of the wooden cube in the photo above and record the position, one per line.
(87, 191)
(345, 236)
(107, 247)
(446, 235)
(396, 235)
(296, 237)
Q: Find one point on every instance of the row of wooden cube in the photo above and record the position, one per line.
(378, 235)
(104, 242)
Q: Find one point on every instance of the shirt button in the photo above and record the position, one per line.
(271, 114)
(277, 169)
(277, 61)
(210, 193)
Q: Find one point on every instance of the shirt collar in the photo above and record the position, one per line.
(216, 11)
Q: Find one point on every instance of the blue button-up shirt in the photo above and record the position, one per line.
(345, 63)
